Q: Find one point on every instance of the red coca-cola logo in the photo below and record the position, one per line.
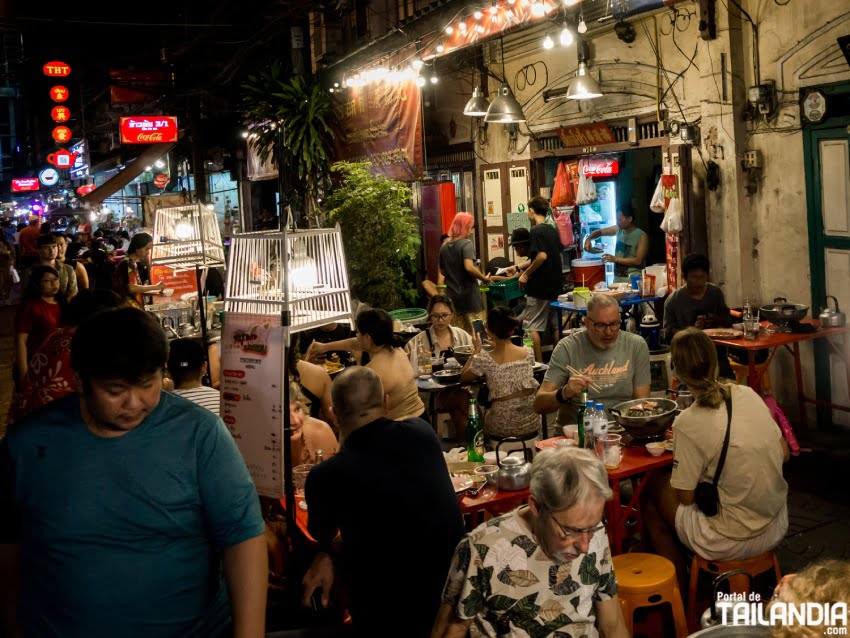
(148, 129)
(161, 180)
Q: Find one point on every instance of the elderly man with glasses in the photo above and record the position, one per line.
(543, 569)
(614, 361)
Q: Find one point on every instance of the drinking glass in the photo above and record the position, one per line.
(611, 452)
(299, 478)
(751, 326)
(437, 364)
(491, 476)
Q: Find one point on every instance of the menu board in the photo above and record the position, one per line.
(181, 281)
(251, 393)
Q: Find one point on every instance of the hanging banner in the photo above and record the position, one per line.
(382, 124)
(251, 395)
(148, 129)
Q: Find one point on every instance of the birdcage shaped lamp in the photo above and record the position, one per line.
(187, 237)
(303, 272)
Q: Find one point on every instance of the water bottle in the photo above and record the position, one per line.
(609, 273)
(600, 427)
(748, 310)
(527, 341)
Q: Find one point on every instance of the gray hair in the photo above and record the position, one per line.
(598, 300)
(564, 477)
(355, 392)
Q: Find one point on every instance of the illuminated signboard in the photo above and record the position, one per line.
(148, 129)
(80, 167)
(601, 167)
(59, 93)
(62, 134)
(25, 184)
(56, 69)
(49, 177)
(60, 113)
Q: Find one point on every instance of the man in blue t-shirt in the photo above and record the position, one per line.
(126, 509)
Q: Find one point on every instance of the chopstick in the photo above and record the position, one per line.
(592, 386)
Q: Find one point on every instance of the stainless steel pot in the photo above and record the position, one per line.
(780, 312)
(645, 424)
(830, 318)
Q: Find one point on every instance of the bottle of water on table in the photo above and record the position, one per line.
(600, 427)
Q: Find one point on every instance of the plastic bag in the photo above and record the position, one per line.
(564, 223)
(657, 203)
(672, 222)
(586, 189)
(562, 192)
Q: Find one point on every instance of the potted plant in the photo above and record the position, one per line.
(380, 235)
(272, 99)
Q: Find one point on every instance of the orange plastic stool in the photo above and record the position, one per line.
(742, 371)
(738, 584)
(647, 580)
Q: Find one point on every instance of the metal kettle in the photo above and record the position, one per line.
(514, 472)
(830, 318)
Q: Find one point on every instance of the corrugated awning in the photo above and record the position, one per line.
(132, 170)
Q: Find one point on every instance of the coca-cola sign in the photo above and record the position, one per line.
(600, 167)
(25, 184)
(148, 129)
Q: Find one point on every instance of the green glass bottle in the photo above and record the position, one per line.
(580, 418)
(474, 434)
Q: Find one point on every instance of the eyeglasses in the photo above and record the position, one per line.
(441, 317)
(597, 325)
(572, 532)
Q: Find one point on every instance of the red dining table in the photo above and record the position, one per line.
(791, 342)
(636, 465)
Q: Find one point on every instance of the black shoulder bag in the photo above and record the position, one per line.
(707, 496)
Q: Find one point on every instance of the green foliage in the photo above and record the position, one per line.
(270, 97)
(380, 235)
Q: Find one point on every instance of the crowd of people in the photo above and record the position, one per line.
(128, 509)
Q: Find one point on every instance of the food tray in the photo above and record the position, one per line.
(506, 290)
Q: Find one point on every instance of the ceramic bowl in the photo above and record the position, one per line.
(656, 449)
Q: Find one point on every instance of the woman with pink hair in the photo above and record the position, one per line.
(457, 264)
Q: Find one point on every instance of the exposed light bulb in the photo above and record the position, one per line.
(538, 9)
(449, 30)
(548, 43)
(148, 168)
(420, 81)
(416, 64)
(478, 15)
(494, 10)
(336, 85)
(440, 48)
(566, 37)
(331, 90)
(582, 25)
(434, 79)
(480, 29)
(461, 25)
(511, 2)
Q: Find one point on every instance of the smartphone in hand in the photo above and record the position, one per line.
(478, 327)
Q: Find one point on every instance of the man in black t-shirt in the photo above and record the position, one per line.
(541, 275)
(388, 493)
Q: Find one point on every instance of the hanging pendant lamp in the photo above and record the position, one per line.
(477, 105)
(505, 109)
(585, 86)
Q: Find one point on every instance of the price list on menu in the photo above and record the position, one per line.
(251, 377)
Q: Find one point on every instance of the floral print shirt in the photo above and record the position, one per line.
(501, 578)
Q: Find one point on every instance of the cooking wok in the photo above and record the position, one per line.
(645, 424)
(782, 313)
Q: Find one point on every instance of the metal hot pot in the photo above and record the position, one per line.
(643, 425)
(783, 314)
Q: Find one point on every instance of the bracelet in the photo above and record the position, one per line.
(560, 394)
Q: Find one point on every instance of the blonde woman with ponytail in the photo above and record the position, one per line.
(752, 516)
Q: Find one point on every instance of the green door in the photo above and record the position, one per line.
(827, 158)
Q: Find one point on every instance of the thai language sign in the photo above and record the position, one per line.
(586, 135)
(148, 129)
(382, 124)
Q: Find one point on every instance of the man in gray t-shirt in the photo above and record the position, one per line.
(615, 361)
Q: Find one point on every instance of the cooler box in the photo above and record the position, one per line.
(587, 272)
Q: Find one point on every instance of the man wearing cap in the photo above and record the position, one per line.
(540, 273)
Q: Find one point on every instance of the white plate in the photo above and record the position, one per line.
(461, 483)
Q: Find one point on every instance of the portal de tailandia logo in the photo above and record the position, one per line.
(750, 609)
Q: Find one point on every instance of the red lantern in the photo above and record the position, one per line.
(62, 134)
(60, 113)
(85, 189)
(59, 93)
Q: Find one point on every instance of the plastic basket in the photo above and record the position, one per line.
(409, 315)
(506, 290)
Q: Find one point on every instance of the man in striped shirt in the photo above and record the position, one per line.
(186, 366)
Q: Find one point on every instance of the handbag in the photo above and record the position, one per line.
(707, 497)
